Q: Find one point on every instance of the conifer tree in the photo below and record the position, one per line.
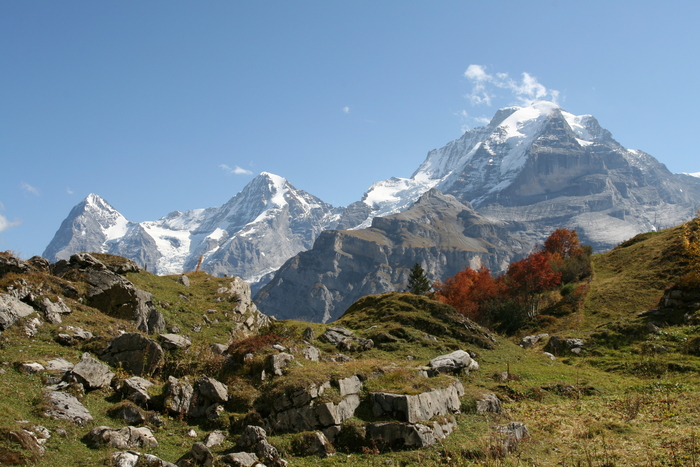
(418, 282)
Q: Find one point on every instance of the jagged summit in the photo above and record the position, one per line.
(249, 236)
(91, 224)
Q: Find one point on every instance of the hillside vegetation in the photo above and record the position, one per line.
(618, 386)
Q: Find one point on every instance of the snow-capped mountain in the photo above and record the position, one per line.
(249, 236)
(90, 225)
(537, 168)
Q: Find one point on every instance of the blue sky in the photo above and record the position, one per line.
(156, 105)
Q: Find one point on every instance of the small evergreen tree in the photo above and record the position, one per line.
(418, 282)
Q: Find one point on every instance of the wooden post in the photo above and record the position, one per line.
(199, 263)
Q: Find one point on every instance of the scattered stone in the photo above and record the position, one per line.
(134, 389)
(135, 353)
(128, 413)
(250, 437)
(191, 433)
(178, 396)
(316, 444)
(127, 437)
(64, 406)
(345, 340)
(529, 341)
(311, 353)
(308, 334)
(219, 349)
(59, 365)
(408, 436)
(215, 438)
(488, 403)
(125, 459)
(240, 459)
(27, 440)
(549, 355)
(12, 309)
(184, 280)
(174, 341)
(30, 368)
(456, 362)
(91, 373)
(32, 327)
(559, 345)
(350, 385)
(276, 362)
(53, 311)
(73, 335)
(514, 433)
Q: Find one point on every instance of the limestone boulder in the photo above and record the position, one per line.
(135, 353)
(421, 407)
(174, 341)
(91, 373)
(178, 396)
(134, 389)
(240, 459)
(11, 310)
(345, 340)
(123, 438)
(53, 310)
(456, 362)
(64, 406)
(396, 435)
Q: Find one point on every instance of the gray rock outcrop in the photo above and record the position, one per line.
(417, 408)
(408, 436)
(439, 232)
(135, 353)
(345, 340)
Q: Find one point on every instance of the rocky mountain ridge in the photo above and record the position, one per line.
(531, 170)
(438, 232)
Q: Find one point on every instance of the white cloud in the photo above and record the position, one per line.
(235, 170)
(485, 85)
(4, 223)
(69, 191)
(346, 109)
(26, 187)
(476, 73)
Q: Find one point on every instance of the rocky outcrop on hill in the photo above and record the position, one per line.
(439, 232)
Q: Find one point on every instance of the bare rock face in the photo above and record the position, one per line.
(399, 435)
(135, 353)
(439, 232)
(113, 294)
(412, 409)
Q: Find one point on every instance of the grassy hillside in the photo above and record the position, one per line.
(629, 398)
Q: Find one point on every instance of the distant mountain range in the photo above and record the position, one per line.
(529, 171)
